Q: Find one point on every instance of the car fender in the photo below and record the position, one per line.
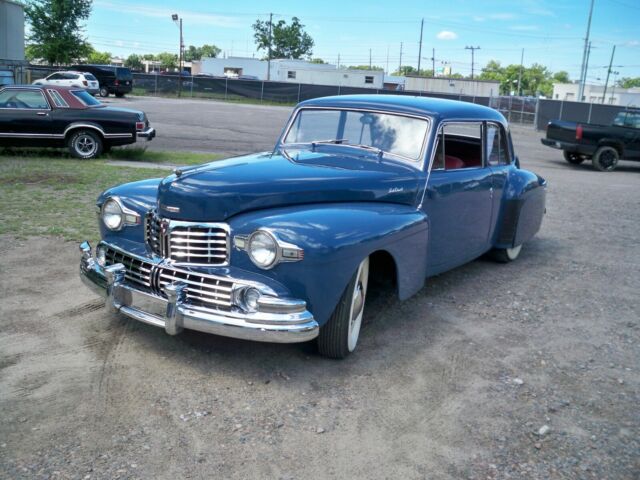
(335, 239)
(521, 209)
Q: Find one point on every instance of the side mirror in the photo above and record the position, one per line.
(516, 162)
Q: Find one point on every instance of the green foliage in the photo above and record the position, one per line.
(561, 77)
(149, 57)
(287, 41)
(56, 31)
(629, 82)
(134, 62)
(317, 60)
(409, 70)
(366, 67)
(197, 53)
(536, 79)
(99, 58)
(167, 60)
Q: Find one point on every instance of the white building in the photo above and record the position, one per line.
(626, 97)
(11, 32)
(453, 86)
(293, 71)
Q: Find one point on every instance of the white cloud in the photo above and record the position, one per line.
(446, 35)
(631, 43)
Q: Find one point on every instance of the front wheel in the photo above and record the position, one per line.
(605, 159)
(85, 144)
(506, 255)
(104, 92)
(339, 336)
(572, 158)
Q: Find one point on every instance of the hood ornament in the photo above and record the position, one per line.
(177, 172)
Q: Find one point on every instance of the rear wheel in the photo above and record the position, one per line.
(573, 158)
(339, 336)
(85, 144)
(605, 159)
(104, 92)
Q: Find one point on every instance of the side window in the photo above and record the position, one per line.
(70, 76)
(497, 149)
(619, 120)
(55, 76)
(632, 121)
(28, 99)
(459, 146)
(57, 99)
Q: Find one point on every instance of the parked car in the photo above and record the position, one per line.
(83, 80)
(604, 145)
(53, 116)
(281, 246)
(115, 80)
(6, 78)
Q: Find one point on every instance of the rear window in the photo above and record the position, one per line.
(123, 73)
(88, 76)
(86, 98)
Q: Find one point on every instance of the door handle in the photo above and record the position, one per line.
(42, 114)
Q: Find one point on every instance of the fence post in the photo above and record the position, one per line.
(589, 117)
(561, 106)
(226, 81)
(299, 87)
(191, 86)
(522, 111)
(155, 90)
(535, 115)
(338, 89)
(510, 105)
(261, 91)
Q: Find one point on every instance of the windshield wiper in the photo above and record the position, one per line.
(335, 141)
(378, 151)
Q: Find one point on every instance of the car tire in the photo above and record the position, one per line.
(85, 144)
(572, 157)
(605, 159)
(119, 95)
(104, 92)
(506, 255)
(339, 336)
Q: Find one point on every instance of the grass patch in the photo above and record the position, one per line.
(56, 196)
(136, 154)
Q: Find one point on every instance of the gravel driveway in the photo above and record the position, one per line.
(527, 370)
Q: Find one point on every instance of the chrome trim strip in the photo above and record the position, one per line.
(32, 135)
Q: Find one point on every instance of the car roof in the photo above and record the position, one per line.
(64, 91)
(438, 108)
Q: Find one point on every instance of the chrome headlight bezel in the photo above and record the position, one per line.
(128, 217)
(284, 251)
(265, 237)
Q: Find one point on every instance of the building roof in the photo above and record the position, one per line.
(433, 107)
(453, 79)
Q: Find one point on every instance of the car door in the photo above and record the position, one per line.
(632, 135)
(459, 197)
(499, 158)
(54, 79)
(25, 113)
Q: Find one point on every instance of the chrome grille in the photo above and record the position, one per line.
(201, 290)
(187, 242)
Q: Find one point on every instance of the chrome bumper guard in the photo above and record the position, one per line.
(149, 133)
(278, 320)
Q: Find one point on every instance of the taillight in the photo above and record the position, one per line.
(116, 83)
(85, 83)
(139, 126)
(579, 132)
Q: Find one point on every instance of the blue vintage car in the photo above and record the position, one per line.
(280, 246)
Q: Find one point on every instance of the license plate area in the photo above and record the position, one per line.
(147, 303)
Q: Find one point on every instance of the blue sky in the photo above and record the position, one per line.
(551, 32)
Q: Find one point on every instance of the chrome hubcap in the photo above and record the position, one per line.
(358, 297)
(85, 145)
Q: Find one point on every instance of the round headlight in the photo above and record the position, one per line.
(112, 215)
(263, 249)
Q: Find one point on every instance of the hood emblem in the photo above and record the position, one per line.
(396, 189)
(170, 208)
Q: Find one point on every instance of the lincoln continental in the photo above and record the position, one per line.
(281, 246)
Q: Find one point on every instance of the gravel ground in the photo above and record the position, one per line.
(527, 370)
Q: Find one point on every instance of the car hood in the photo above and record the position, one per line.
(216, 191)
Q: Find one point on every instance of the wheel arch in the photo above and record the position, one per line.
(610, 142)
(74, 127)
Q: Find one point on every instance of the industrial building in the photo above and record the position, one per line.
(453, 86)
(12, 38)
(293, 71)
(626, 97)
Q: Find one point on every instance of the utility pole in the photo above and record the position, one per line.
(420, 45)
(586, 65)
(178, 21)
(388, 73)
(583, 74)
(433, 61)
(369, 59)
(520, 74)
(400, 66)
(613, 52)
(269, 52)
(338, 60)
(473, 51)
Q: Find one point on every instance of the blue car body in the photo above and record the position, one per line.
(341, 205)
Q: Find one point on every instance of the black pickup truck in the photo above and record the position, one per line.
(603, 144)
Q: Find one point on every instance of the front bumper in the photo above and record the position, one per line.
(148, 133)
(282, 320)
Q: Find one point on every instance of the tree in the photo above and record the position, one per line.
(56, 31)
(197, 53)
(561, 77)
(366, 67)
(149, 57)
(409, 70)
(134, 62)
(167, 60)
(317, 60)
(100, 58)
(628, 82)
(286, 41)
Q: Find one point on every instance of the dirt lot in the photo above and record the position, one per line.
(528, 370)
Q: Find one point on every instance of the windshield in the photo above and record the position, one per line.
(123, 73)
(395, 134)
(86, 98)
